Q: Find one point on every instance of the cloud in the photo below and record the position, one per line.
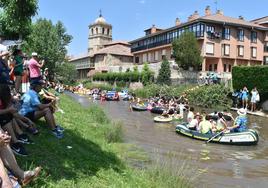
(142, 1)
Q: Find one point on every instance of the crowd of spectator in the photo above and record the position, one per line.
(24, 98)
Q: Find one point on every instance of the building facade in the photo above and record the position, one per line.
(224, 41)
(103, 53)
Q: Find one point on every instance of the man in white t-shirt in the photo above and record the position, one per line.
(190, 115)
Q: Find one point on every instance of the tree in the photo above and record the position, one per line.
(187, 52)
(66, 72)
(146, 74)
(49, 41)
(164, 74)
(15, 17)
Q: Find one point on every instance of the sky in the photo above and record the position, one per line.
(131, 17)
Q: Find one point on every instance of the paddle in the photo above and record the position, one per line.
(215, 136)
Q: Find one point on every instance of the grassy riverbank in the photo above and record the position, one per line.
(91, 155)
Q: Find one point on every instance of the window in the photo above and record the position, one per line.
(224, 68)
(103, 31)
(92, 31)
(226, 49)
(226, 33)
(210, 67)
(215, 67)
(266, 46)
(253, 36)
(164, 52)
(210, 31)
(265, 60)
(156, 55)
(144, 58)
(240, 35)
(210, 49)
(240, 50)
(97, 31)
(253, 52)
(149, 57)
(230, 68)
(108, 31)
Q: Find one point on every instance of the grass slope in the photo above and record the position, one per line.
(96, 159)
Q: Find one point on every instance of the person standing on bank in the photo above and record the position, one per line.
(34, 68)
(255, 97)
(244, 97)
(18, 68)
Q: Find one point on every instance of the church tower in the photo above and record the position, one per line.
(100, 33)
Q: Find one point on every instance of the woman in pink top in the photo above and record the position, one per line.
(34, 67)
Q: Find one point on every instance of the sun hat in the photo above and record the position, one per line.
(34, 54)
(242, 111)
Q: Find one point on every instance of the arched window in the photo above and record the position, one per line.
(103, 31)
(92, 31)
(108, 31)
(97, 32)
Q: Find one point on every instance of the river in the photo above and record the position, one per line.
(221, 165)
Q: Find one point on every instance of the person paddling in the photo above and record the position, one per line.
(240, 123)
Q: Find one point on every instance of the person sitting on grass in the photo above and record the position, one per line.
(8, 122)
(8, 159)
(48, 97)
(33, 109)
(240, 123)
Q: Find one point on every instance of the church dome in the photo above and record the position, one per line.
(100, 20)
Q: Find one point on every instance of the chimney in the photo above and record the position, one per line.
(207, 11)
(195, 15)
(153, 29)
(190, 18)
(241, 17)
(177, 22)
(220, 12)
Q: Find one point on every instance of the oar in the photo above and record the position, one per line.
(215, 136)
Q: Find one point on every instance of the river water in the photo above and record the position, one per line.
(219, 165)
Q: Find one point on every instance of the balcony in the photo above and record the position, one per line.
(213, 35)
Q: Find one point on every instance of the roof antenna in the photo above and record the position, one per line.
(100, 14)
(216, 5)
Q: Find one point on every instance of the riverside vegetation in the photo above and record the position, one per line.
(92, 155)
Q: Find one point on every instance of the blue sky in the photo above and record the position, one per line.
(130, 17)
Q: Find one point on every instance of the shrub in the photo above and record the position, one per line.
(253, 76)
(164, 73)
(215, 96)
(113, 76)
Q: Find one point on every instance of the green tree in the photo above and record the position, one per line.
(164, 74)
(49, 41)
(15, 17)
(66, 72)
(187, 52)
(146, 74)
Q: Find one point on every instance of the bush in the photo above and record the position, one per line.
(253, 76)
(164, 73)
(163, 90)
(215, 96)
(113, 76)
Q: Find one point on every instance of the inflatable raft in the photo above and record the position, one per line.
(162, 119)
(249, 137)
